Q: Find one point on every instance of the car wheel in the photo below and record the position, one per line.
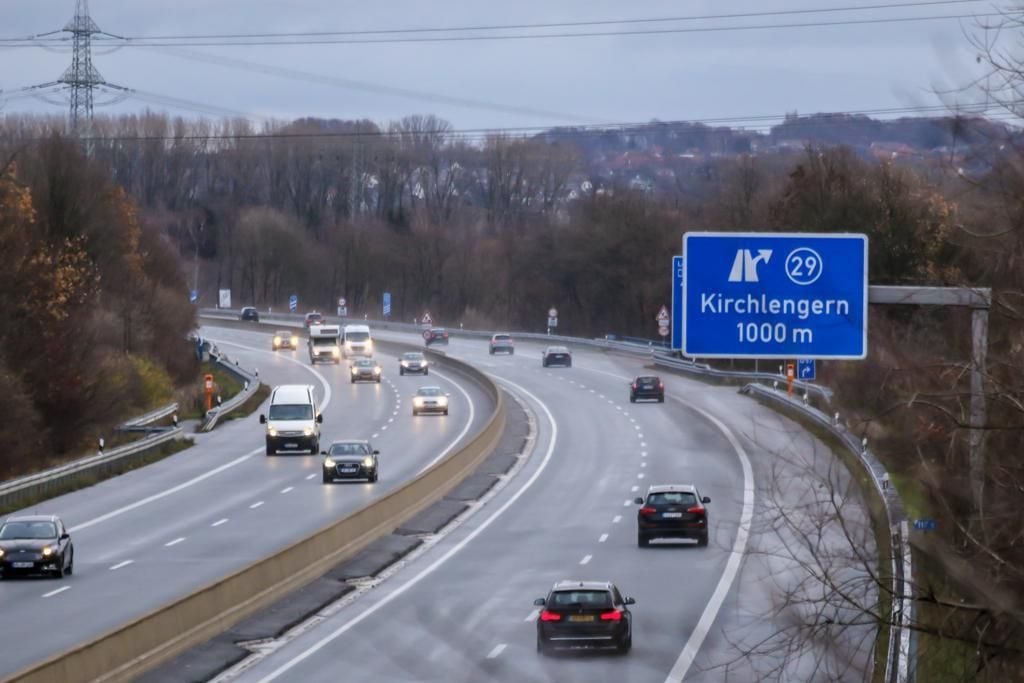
(401, 371)
(426, 372)
(327, 480)
(378, 380)
(626, 644)
(642, 541)
(492, 352)
(512, 352)
(353, 380)
(541, 647)
(702, 542)
(414, 413)
(661, 399)
(446, 412)
(373, 479)
(59, 572)
(632, 399)
(71, 564)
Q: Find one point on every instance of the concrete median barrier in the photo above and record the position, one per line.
(126, 652)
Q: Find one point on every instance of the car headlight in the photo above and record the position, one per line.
(308, 431)
(443, 400)
(405, 363)
(369, 345)
(1, 552)
(355, 370)
(328, 462)
(417, 401)
(335, 351)
(47, 551)
(367, 462)
(277, 341)
(376, 371)
(271, 431)
(295, 341)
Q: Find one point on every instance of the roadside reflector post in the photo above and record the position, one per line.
(790, 376)
(101, 444)
(208, 390)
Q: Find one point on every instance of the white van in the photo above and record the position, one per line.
(323, 344)
(293, 420)
(357, 341)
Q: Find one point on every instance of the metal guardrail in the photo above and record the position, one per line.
(251, 384)
(54, 480)
(142, 422)
(898, 668)
(706, 370)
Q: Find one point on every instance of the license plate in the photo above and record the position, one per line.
(23, 565)
(581, 617)
(350, 468)
(291, 445)
(669, 515)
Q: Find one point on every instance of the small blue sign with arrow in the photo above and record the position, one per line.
(805, 369)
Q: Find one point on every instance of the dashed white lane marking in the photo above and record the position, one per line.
(632, 419)
(375, 436)
(256, 505)
(592, 391)
(586, 559)
(395, 413)
(600, 395)
(59, 590)
(640, 476)
(626, 413)
(287, 489)
(313, 476)
(616, 519)
(640, 436)
(383, 428)
(611, 401)
(635, 489)
(532, 616)
(627, 503)
(223, 520)
(643, 464)
(498, 649)
(604, 537)
(179, 539)
(643, 454)
(636, 427)
(122, 564)
(643, 444)
(390, 420)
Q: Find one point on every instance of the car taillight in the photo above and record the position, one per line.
(661, 385)
(647, 510)
(697, 510)
(614, 615)
(547, 615)
(634, 385)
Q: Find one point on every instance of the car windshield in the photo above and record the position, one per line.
(598, 599)
(314, 317)
(364, 363)
(284, 411)
(28, 530)
(429, 391)
(672, 498)
(357, 336)
(349, 449)
(324, 341)
(413, 356)
(283, 333)
(502, 337)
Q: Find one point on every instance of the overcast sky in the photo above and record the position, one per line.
(559, 81)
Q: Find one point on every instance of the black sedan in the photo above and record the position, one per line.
(413, 363)
(35, 544)
(436, 335)
(350, 460)
(365, 370)
(672, 511)
(647, 386)
(584, 614)
(556, 355)
(250, 313)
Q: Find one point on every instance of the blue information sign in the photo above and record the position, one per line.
(775, 295)
(925, 524)
(805, 369)
(677, 303)
(293, 302)
(387, 303)
(193, 296)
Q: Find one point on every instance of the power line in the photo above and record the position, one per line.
(313, 40)
(546, 25)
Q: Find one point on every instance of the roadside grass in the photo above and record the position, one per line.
(193, 399)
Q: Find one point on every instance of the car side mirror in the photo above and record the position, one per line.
(629, 601)
(540, 602)
(320, 418)
(638, 500)
(376, 452)
(323, 452)
(705, 499)
(263, 419)
(65, 536)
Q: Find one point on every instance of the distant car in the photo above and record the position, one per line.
(35, 544)
(365, 370)
(502, 343)
(430, 400)
(436, 335)
(556, 355)
(413, 363)
(672, 511)
(285, 339)
(647, 386)
(250, 313)
(350, 460)
(313, 318)
(584, 614)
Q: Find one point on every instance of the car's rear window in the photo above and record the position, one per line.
(672, 498)
(647, 380)
(583, 598)
(502, 337)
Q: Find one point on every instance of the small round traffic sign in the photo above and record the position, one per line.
(663, 331)
(341, 302)
(552, 312)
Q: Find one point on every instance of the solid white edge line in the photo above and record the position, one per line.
(462, 434)
(430, 569)
(498, 649)
(532, 616)
(739, 546)
(54, 592)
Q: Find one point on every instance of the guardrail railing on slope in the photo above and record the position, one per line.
(706, 370)
(250, 385)
(142, 422)
(898, 657)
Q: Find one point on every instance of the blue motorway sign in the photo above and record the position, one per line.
(293, 302)
(193, 296)
(926, 524)
(805, 369)
(677, 303)
(387, 303)
(775, 295)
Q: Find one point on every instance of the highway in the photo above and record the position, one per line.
(162, 531)
(463, 610)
